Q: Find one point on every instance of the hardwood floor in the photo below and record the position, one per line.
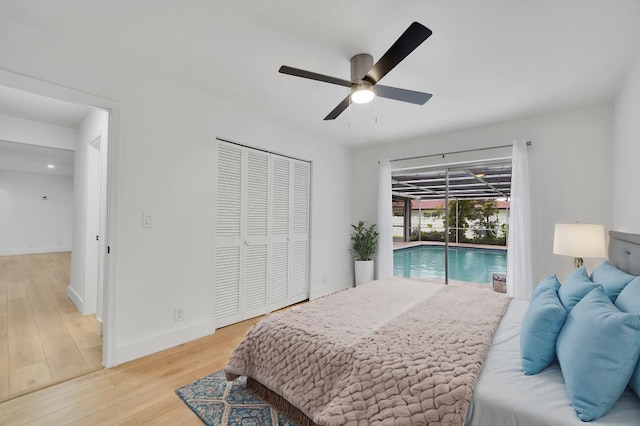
(136, 393)
(43, 337)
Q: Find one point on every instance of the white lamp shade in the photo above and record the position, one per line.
(579, 240)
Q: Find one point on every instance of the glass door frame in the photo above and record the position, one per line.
(447, 169)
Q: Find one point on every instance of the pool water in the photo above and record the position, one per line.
(465, 264)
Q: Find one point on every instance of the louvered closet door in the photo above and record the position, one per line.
(262, 233)
(227, 303)
(299, 237)
(280, 212)
(256, 234)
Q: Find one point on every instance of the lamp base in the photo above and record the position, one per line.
(578, 262)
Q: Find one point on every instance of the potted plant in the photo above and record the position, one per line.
(364, 242)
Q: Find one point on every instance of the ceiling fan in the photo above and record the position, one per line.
(365, 76)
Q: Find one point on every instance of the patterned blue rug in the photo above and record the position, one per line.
(218, 402)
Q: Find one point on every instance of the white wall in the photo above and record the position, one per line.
(570, 166)
(29, 224)
(167, 163)
(626, 153)
(83, 288)
(14, 129)
(166, 168)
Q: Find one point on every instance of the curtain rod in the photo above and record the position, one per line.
(455, 152)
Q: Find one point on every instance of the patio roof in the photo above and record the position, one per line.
(439, 204)
(476, 182)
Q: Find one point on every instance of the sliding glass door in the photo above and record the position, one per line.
(458, 221)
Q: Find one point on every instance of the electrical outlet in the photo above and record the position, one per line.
(147, 220)
(179, 314)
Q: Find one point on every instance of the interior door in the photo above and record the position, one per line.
(262, 233)
(299, 245)
(254, 288)
(228, 234)
(280, 230)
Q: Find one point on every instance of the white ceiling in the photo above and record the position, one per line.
(35, 159)
(487, 60)
(17, 103)
(25, 157)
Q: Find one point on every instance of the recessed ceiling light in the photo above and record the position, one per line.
(480, 175)
(51, 166)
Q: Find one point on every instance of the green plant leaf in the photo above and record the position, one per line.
(364, 241)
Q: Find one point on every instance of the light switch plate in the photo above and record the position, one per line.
(147, 221)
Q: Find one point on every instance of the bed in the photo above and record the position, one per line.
(504, 396)
(366, 356)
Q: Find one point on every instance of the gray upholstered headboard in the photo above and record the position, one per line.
(624, 251)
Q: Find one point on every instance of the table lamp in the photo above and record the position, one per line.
(579, 240)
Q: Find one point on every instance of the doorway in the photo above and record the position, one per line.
(95, 249)
(455, 221)
(47, 339)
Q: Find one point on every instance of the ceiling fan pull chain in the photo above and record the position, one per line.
(375, 108)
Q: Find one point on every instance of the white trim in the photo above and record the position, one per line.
(75, 298)
(46, 88)
(14, 252)
(149, 345)
(111, 263)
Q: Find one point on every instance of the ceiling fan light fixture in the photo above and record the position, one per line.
(365, 74)
(362, 93)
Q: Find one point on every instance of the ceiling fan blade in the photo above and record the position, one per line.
(314, 76)
(407, 43)
(404, 95)
(338, 110)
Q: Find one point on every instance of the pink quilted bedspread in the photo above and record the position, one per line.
(392, 352)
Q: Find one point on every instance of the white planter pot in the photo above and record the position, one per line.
(364, 271)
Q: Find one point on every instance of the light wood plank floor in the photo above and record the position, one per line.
(43, 337)
(136, 393)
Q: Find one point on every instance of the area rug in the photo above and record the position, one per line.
(221, 403)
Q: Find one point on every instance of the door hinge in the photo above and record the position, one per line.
(97, 237)
(108, 249)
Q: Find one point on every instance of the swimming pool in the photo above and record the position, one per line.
(465, 264)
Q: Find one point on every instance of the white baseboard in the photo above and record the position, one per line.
(75, 298)
(14, 252)
(328, 289)
(147, 346)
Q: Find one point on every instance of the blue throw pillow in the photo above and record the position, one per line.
(575, 287)
(598, 349)
(629, 298)
(546, 284)
(629, 301)
(634, 383)
(540, 328)
(612, 279)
